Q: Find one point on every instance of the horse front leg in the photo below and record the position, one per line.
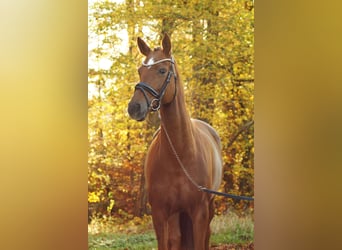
(174, 232)
(161, 228)
(200, 218)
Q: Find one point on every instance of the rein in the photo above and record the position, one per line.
(154, 105)
(200, 188)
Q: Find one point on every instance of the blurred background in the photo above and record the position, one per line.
(213, 44)
(44, 112)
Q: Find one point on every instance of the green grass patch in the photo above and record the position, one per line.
(139, 234)
(231, 228)
(121, 241)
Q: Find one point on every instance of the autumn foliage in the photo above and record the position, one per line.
(213, 46)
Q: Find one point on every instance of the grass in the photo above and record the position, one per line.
(120, 241)
(138, 233)
(231, 228)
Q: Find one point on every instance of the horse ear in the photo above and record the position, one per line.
(166, 45)
(143, 47)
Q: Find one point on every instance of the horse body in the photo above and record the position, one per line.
(181, 213)
(170, 197)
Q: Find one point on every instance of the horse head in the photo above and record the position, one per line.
(157, 87)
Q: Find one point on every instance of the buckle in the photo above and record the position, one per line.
(155, 104)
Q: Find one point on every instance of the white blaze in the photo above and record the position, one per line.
(150, 62)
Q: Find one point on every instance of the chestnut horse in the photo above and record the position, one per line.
(184, 154)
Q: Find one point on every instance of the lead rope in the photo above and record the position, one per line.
(200, 188)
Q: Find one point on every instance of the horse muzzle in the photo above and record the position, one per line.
(137, 111)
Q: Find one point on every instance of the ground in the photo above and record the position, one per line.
(234, 247)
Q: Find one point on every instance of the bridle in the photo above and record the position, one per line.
(154, 104)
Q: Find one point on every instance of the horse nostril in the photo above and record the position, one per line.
(134, 108)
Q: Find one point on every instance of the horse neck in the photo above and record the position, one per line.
(177, 123)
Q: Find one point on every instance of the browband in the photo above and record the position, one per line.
(154, 63)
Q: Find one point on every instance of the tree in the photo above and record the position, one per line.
(213, 46)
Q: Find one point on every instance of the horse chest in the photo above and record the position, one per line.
(167, 184)
(173, 196)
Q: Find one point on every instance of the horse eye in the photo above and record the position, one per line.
(162, 71)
